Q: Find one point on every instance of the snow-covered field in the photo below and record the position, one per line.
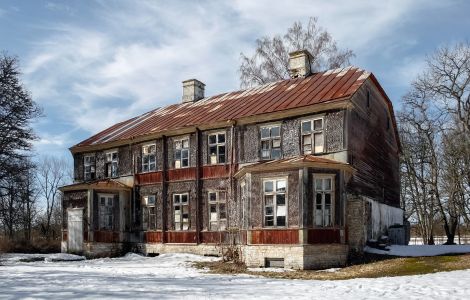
(170, 277)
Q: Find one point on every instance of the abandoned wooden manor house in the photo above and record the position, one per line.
(298, 173)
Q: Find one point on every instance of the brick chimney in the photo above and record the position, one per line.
(299, 63)
(193, 90)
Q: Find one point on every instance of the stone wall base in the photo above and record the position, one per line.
(298, 257)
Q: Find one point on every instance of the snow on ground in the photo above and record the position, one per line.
(170, 276)
(420, 250)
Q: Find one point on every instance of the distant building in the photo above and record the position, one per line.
(297, 172)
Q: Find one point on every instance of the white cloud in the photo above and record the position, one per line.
(134, 55)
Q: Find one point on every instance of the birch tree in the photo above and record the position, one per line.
(270, 61)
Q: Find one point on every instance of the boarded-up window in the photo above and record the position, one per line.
(323, 201)
(181, 211)
(275, 202)
(112, 164)
(217, 210)
(313, 140)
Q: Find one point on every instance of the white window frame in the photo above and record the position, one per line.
(148, 206)
(146, 166)
(310, 135)
(218, 218)
(91, 164)
(324, 222)
(271, 140)
(112, 163)
(276, 211)
(106, 211)
(179, 222)
(178, 162)
(214, 160)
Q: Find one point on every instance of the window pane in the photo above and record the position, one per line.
(281, 211)
(318, 185)
(281, 186)
(276, 131)
(221, 138)
(222, 196)
(268, 186)
(184, 153)
(213, 151)
(269, 221)
(306, 126)
(222, 151)
(307, 140)
(280, 199)
(178, 154)
(185, 162)
(176, 199)
(103, 201)
(318, 124)
(318, 199)
(281, 221)
(177, 164)
(212, 197)
(152, 149)
(222, 157)
(222, 212)
(327, 199)
(327, 184)
(269, 211)
(114, 155)
(318, 138)
(151, 200)
(184, 198)
(178, 145)
(213, 208)
(264, 132)
(276, 153)
(212, 139)
(185, 143)
(269, 200)
(276, 143)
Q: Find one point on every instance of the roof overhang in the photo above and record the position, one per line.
(102, 184)
(302, 161)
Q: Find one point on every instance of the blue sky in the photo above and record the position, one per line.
(90, 64)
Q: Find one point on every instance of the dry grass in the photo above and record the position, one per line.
(384, 268)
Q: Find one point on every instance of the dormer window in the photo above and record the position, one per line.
(313, 136)
(181, 153)
(216, 142)
(149, 158)
(112, 164)
(89, 167)
(271, 142)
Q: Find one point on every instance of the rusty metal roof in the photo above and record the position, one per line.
(277, 96)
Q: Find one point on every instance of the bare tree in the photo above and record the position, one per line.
(270, 61)
(51, 174)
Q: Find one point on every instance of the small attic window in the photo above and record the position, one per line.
(368, 99)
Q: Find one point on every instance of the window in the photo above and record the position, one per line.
(312, 136)
(106, 212)
(324, 200)
(181, 211)
(275, 202)
(149, 213)
(271, 142)
(217, 210)
(182, 153)
(368, 99)
(89, 167)
(112, 164)
(216, 148)
(149, 158)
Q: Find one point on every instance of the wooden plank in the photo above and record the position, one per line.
(182, 174)
(183, 237)
(324, 236)
(275, 236)
(216, 171)
(153, 237)
(106, 236)
(149, 178)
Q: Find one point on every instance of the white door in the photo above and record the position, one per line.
(75, 229)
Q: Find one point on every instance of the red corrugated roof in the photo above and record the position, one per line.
(276, 96)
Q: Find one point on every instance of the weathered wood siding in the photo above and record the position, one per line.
(373, 150)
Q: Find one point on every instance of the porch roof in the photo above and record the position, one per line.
(295, 162)
(105, 184)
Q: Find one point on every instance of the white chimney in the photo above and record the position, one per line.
(193, 90)
(299, 63)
